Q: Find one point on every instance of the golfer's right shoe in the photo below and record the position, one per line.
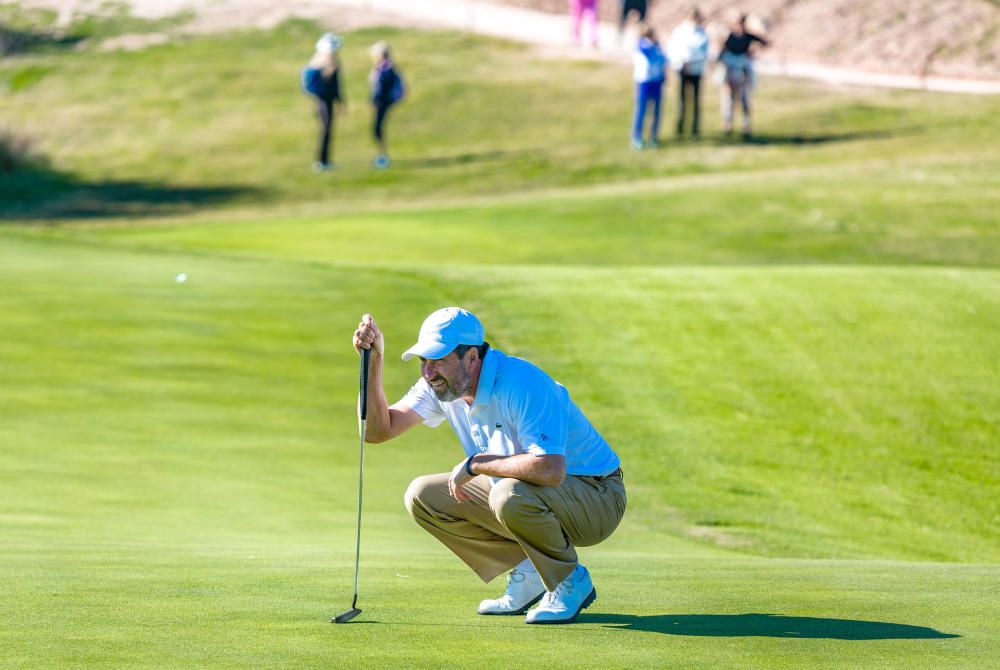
(524, 589)
(563, 605)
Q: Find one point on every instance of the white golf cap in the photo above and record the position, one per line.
(444, 330)
(329, 43)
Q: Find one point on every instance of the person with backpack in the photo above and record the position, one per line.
(321, 80)
(386, 90)
(650, 74)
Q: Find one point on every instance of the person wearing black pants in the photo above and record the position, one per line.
(638, 7)
(322, 80)
(692, 82)
(324, 110)
(386, 90)
(378, 129)
(688, 51)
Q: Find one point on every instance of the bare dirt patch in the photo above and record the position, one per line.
(950, 38)
(220, 15)
(943, 38)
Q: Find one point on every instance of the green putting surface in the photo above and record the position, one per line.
(182, 462)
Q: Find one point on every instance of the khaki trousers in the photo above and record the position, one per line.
(505, 522)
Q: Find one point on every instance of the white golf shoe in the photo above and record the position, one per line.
(524, 589)
(563, 605)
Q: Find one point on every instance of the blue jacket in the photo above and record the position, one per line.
(649, 62)
(386, 84)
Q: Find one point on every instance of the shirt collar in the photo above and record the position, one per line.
(487, 377)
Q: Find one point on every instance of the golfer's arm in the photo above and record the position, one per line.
(548, 470)
(384, 422)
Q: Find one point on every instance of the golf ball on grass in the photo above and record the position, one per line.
(181, 278)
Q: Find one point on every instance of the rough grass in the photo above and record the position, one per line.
(483, 118)
(763, 217)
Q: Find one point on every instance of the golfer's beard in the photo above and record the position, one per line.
(454, 389)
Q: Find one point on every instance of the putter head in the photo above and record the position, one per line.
(346, 616)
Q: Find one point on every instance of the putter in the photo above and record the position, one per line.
(363, 414)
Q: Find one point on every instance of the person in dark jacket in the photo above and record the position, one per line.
(386, 90)
(638, 7)
(324, 71)
(737, 56)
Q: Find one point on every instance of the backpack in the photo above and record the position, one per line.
(398, 90)
(312, 81)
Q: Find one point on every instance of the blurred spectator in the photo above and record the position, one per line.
(386, 90)
(578, 9)
(688, 53)
(638, 7)
(649, 73)
(321, 79)
(737, 56)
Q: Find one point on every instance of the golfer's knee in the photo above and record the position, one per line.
(415, 492)
(512, 499)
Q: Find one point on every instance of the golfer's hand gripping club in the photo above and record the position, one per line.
(369, 336)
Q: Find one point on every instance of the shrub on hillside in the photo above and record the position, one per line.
(17, 152)
(16, 40)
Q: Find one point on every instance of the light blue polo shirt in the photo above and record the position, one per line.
(518, 409)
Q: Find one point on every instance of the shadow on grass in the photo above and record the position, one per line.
(42, 195)
(792, 139)
(769, 139)
(765, 625)
(462, 159)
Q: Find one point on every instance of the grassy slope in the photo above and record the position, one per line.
(183, 473)
(483, 118)
(761, 218)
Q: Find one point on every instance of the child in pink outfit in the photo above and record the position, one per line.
(577, 10)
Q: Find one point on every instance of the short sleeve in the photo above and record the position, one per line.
(537, 410)
(421, 399)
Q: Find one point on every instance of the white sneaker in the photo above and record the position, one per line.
(524, 589)
(563, 605)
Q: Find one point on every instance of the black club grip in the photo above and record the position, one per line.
(366, 355)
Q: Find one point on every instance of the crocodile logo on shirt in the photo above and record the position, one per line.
(545, 437)
(499, 426)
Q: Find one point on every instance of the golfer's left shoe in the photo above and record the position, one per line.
(524, 589)
(563, 605)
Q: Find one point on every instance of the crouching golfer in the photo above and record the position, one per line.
(538, 480)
